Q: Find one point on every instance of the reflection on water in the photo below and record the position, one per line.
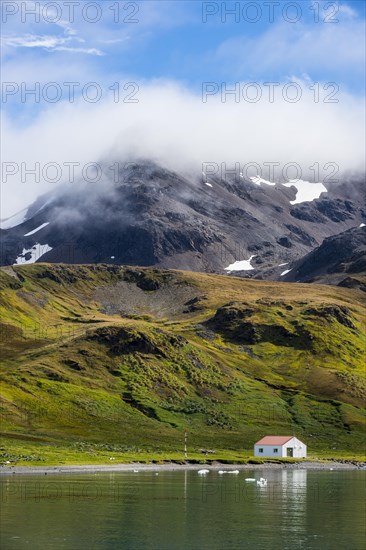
(298, 509)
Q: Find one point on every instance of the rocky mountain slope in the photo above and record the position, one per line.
(106, 359)
(155, 217)
(340, 259)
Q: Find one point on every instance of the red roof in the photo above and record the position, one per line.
(274, 440)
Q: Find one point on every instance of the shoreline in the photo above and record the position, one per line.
(171, 466)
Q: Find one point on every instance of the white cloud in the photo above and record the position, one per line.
(171, 125)
(44, 35)
(62, 33)
(33, 41)
(333, 10)
(113, 40)
(89, 51)
(347, 10)
(47, 42)
(296, 48)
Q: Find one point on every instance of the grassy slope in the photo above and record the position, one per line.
(102, 362)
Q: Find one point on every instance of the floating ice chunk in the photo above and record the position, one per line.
(262, 482)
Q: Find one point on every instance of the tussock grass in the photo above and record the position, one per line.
(103, 360)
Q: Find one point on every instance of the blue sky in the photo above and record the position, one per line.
(188, 41)
(171, 49)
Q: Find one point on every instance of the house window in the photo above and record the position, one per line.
(275, 450)
(260, 450)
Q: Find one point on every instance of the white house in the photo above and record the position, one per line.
(280, 446)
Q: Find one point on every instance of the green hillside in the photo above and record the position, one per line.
(102, 362)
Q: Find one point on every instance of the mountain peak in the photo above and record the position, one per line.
(141, 213)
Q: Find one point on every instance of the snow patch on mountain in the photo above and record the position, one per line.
(285, 272)
(205, 180)
(241, 265)
(36, 230)
(306, 191)
(36, 252)
(258, 180)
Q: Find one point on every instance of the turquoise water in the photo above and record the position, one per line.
(180, 510)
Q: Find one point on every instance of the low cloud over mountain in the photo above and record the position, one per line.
(154, 216)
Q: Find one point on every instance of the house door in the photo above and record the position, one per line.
(290, 452)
